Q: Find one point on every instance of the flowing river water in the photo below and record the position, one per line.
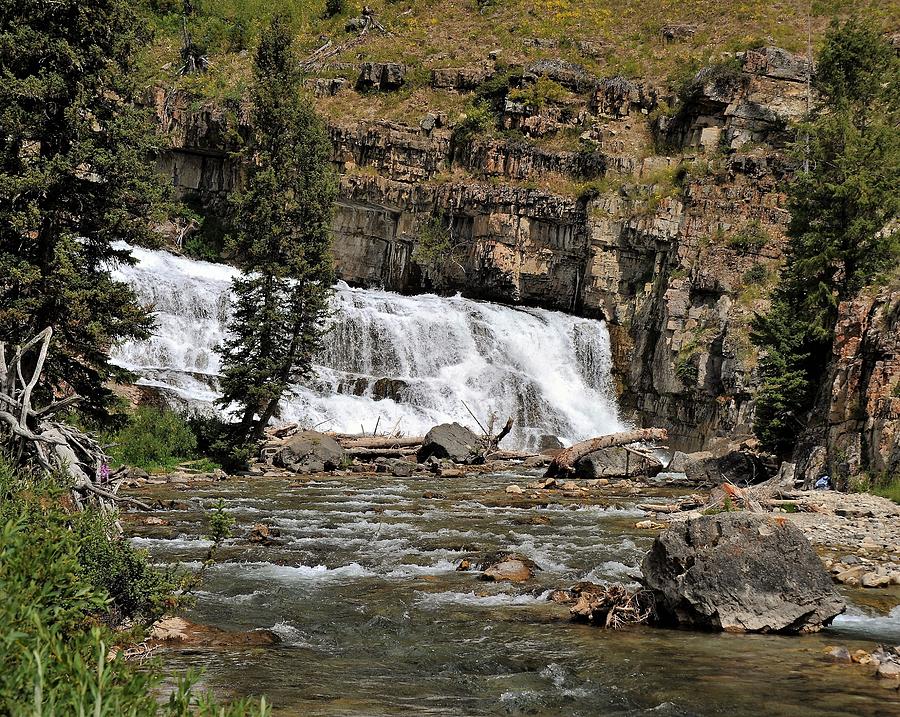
(375, 620)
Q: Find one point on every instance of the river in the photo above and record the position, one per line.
(375, 619)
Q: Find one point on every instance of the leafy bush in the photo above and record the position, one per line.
(544, 91)
(220, 441)
(154, 438)
(756, 274)
(133, 589)
(335, 7)
(54, 656)
(749, 239)
(477, 119)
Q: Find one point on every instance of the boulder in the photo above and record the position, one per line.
(311, 452)
(453, 441)
(616, 463)
(381, 76)
(176, 631)
(508, 567)
(739, 572)
(549, 442)
(677, 462)
(737, 466)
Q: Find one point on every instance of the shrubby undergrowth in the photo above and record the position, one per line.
(64, 583)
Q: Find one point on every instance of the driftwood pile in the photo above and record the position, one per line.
(611, 606)
(32, 439)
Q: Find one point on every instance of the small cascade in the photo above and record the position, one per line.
(402, 361)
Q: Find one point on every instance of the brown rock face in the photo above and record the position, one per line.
(862, 407)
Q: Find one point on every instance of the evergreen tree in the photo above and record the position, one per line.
(74, 178)
(842, 230)
(280, 236)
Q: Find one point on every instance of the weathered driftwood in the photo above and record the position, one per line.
(565, 460)
(381, 452)
(32, 440)
(391, 442)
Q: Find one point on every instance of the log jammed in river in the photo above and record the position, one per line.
(565, 460)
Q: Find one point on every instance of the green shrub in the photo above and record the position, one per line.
(478, 118)
(219, 441)
(53, 652)
(686, 369)
(154, 439)
(756, 274)
(537, 95)
(335, 7)
(749, 239)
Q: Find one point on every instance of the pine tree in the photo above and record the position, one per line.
(280, 236)
(842, 231)
(74, 178)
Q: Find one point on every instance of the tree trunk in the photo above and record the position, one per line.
(565, 460)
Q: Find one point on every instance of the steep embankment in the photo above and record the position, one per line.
(560, 187)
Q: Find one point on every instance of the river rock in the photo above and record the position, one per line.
(616, 463)
(677, 462)
(739, 572)
(311, 452)
(450, 440)
(889, 671)
(172, 631)
(507, 567)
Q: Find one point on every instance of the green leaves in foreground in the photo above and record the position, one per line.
(57, 594)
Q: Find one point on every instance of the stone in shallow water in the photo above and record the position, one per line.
(740, 572)
(450, 440)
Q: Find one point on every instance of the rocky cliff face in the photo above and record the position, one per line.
(859, 431)
(675, 249)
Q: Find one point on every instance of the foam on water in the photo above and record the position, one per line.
(400, 360)
(470, 599)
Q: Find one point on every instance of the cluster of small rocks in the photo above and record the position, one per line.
(859, 572)
(886, 660)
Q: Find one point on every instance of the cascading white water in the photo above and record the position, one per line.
(406, 361)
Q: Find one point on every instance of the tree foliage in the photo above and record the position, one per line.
(280, 236)
(74, 178)
(843, 226)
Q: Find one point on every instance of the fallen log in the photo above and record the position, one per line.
(565, 460)
(381, 452)
(392, 442)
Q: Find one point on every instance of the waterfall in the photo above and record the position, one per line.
(405, 361)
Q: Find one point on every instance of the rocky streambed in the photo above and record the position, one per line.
(358, 580)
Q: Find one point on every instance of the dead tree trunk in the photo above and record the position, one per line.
(565, 460)
(32, 440)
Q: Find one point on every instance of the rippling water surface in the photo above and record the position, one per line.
(375, 620)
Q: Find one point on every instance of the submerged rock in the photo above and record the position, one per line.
(740, 572)
(508, 567)
(176, 631)
(311, 452)
(453, 441)
(616, 462)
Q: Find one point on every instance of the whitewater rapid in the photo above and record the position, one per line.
(408, 362)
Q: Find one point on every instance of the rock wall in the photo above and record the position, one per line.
(665, 246)
(860, 427)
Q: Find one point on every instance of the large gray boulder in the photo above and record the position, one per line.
(739, 572)
(453, 441)
(311, 452)
(616, 462)
(736, 466)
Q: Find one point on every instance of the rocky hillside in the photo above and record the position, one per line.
(657, 208)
